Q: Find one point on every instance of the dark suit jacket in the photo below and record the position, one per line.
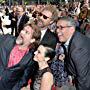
(13, 22)
(78, 62)
(23, 21)
(49, 39)
(13, 78)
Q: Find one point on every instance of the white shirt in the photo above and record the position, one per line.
(18, 22)
(67, 44)
(43, 33)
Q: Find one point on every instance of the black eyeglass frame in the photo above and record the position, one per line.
(61, 27)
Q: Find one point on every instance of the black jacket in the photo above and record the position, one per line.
(17, 76)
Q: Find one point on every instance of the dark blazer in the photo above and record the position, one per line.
(24, 20)
(11, 17)
(13, 78)
(78, 62)
(49, 39)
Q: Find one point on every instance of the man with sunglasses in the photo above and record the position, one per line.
(78, 52)
(45, 18)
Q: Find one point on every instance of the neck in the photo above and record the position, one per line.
(43, 65)
(43, 28)
(23, 47)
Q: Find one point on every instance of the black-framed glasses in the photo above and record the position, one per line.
(35, 13)
(61, 27)
(44, 16)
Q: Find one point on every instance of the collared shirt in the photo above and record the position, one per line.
(43, 33)
(67, 44)
(18, 22)
(16, 55)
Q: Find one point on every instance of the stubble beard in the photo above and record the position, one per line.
(19, 40)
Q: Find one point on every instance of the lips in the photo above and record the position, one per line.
(39, 23)
(19, 39)
(35, 58)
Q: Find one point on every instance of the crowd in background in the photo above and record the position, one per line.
(79, 11)
(51, 54)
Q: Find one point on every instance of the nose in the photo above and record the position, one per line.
(40, 17)
(35, 52)
(57, 31)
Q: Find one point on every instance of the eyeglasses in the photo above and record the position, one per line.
(61, 27)
(44, 16)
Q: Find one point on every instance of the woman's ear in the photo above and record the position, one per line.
(32, 40)
(47, 58)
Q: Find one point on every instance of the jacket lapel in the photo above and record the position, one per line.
(27, 58)
(46, 37)
(70, 63)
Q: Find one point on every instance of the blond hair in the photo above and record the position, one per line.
(53, 10)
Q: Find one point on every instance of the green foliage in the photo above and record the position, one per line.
(2, 1)
(26, 2)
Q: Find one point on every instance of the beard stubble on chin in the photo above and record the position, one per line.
(40, 23)
(19, 41)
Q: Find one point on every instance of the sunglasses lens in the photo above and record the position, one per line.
(45, 17)
(40, 14)
(34, 15)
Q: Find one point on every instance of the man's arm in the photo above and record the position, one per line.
(28, 73)
(81, 59)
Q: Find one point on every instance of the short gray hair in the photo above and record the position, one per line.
(70, 21)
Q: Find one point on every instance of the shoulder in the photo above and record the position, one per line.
(4, 37)
(47, 79)
(47, 76)
(51, 34)
(11, 37)
(80, 40)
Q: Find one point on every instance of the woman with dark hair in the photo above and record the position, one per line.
(44, 77)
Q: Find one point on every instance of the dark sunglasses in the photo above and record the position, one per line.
(44, 16)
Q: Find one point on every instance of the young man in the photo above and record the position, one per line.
(16, 64)
(45, 18)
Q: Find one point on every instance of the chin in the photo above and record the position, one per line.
(40, 26)
(19, 42)
(34, 59)
(61, 40)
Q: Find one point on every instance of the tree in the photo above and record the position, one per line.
(2, 1)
